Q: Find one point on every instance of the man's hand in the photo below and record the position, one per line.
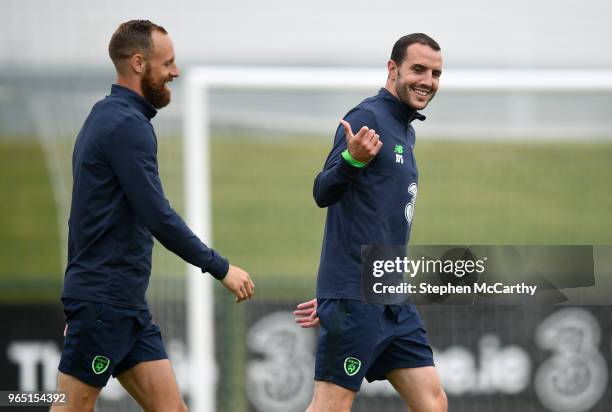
(239, 283)
(364, 145)
(306, 314)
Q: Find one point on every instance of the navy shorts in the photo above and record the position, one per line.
(360, 340)
(103, 340)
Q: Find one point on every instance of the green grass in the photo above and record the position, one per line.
(29, 238)
(264, 214)
(514, 193)
(266, 221)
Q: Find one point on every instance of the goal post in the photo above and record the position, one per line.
(196, 123)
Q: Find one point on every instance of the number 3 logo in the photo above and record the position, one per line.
(575, 377)
(409, 211)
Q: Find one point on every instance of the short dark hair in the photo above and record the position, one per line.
(398, 54)
(132, 37)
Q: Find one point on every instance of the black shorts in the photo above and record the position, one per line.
(103, 340)
(360, 340)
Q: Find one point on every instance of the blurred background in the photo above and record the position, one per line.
(495, 168)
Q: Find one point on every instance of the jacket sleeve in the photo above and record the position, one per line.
(132, 152)
(337, 175)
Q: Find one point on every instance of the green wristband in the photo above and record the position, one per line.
(347, 156)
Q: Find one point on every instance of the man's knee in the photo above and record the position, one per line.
(177, 407)
(181, 407)
(330, 406)
(441, 401)
(83, 401)
(436, 402)
(165, 407)
(78, 401)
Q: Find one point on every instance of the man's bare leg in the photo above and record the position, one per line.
(329, 397)
(420, 388)
(81, 396)
(154, 386)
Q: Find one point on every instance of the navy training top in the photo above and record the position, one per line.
(372, 205)
(118, 205)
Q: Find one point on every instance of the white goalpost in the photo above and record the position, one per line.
(196, 123)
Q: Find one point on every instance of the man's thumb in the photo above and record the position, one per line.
(347, 129)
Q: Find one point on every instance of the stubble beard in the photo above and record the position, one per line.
(403, 93)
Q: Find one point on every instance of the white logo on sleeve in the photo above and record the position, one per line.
(409, 210)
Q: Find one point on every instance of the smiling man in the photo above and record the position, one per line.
(369, 186)
(118, 206)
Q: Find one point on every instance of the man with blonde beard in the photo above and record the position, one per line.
(118, 206)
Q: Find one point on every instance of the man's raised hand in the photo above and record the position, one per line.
(362, 146)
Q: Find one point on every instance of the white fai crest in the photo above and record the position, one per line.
(409, 210)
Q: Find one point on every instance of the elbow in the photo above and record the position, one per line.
(318, 197)
(321, 202)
